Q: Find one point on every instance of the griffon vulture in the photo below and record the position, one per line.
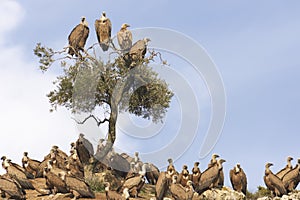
(291, 179)
(84, 148)
(171, 169)
(124, 38)
(138, 50)
(179, 192)
(113, 195)
(30, 165)
(184, 176)
(238, 179)
(196, 173)
(54, 182)
(103, 31)
(286, 169)
(152, 173)
(161, 186)
(12, 188)
(15, 172)
(210, 177)
(273, 183)
(78, 37)
(77, 185)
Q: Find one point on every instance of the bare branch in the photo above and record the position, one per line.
(98, 121)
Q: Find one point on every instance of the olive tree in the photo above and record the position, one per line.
(87, 83)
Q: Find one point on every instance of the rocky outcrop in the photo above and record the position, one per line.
(291, 196)
(225, 193)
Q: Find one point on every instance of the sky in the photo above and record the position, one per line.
(253, 45)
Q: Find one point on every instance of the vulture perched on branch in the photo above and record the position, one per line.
(103, 31)
(273, 183)
(78, 37)
(124, 38)
(238, 179)
(138, 51)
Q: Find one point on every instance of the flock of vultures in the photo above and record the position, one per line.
(65, 173)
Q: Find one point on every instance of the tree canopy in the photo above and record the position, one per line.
(87, 83)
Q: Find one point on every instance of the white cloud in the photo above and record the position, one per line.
(26, 124)
(11, 13)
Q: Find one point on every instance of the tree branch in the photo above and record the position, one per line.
(98, 121)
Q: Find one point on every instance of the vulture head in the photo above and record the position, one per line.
(170, 161)
(289, 159)
(146, 40)
(25, 153)
(268, 165)
(124, 26)
(237, 168)
(3, 158)
(174, 179)
(196, 164)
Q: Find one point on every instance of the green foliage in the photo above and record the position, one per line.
(88, 83)
(261, 192)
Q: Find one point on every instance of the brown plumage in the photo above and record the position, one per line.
(113, 195)
(134, 185)
(179, 192)
(30, 165)
(12, 188)
(210, 176)
(15, 172)
(184, 176)
(291, 179)
(77, 38)
(124, 38)
(74, 166)
(238, 179)
(84, 148)
(54, 182)
(171, 168)
(286, 169)
(152, 173)
(103, 31)
(138, 50)
(161, 186)
(273, 183)
(213, 160)
(196, 173)
(78, 185)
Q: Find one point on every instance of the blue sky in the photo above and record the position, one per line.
(254, 45)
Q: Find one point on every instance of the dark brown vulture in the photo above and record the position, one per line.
(18, 174)
(30, 165)
(11, 188)
(54, 182)
(291, 179)
(196, 173)
(152, 173)
(238, 179)
(138, 51)
(113, 195)
(210, 177)
(162, 185)
(184, 176)
(85, 150)
(124, 38)
(179, 192)
(76, 185)
(273, 183)
(78, 37)
(286, 169)
(171, 169)
(103, 30)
